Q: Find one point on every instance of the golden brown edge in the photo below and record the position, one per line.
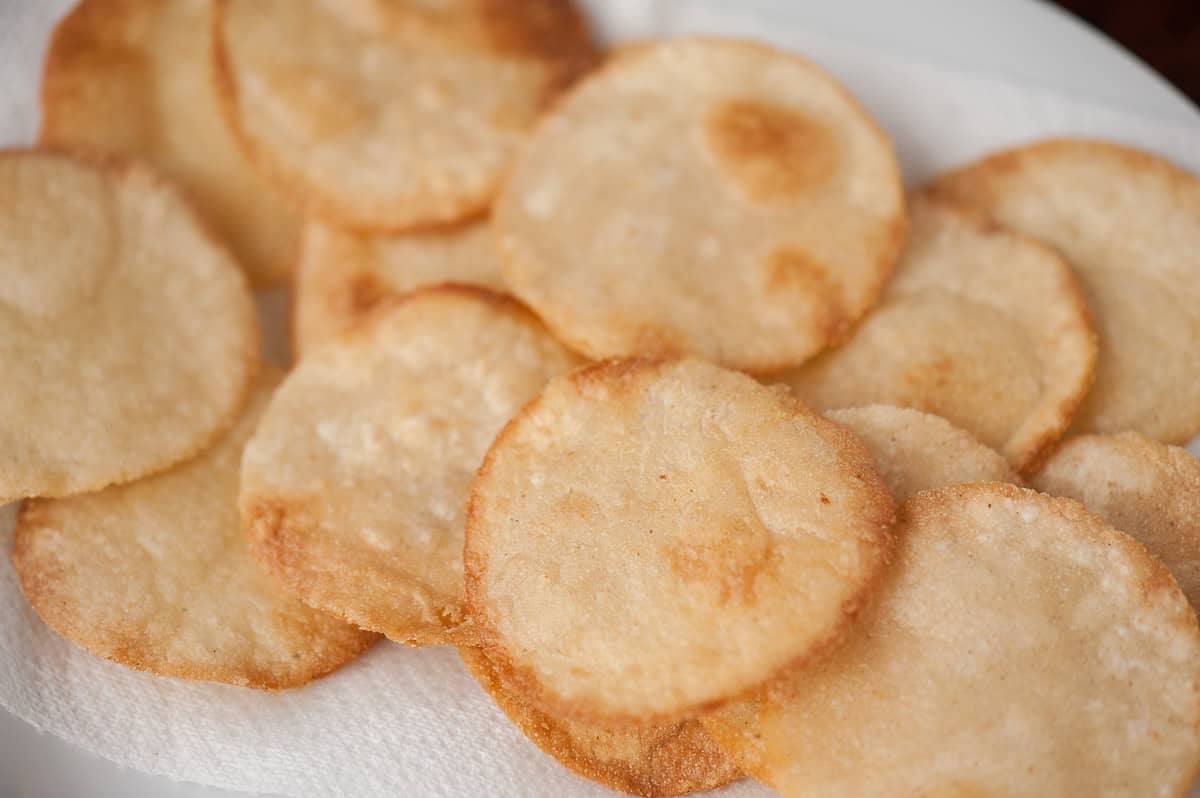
(549, 734)
(524, 681)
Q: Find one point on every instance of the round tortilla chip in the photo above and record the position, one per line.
(342, 276)
(134, 78)
(354, 486)
(385, 115)
(1144, 488)
(709, 197)
(649, 539)
(672, 759)
(1129, 222)
(917, 451)
(128, 337)
(979, 325)
(1019, 646)
(157, 575)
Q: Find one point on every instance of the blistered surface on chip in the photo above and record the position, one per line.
(706, 197)
(393, 114)
(1019, 646)
(649, 539)
(354, 485)
(1129, 224)
(343, 276)
(127, 335)
(135, 78)
(979, 325)
(157, 575)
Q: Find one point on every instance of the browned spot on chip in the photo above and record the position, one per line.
(731, 564)
(364, 292)
(772, 153)
(547, 30)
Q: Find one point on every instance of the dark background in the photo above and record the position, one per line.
(1163, 33)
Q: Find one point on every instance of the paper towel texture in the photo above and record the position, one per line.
(405, 722)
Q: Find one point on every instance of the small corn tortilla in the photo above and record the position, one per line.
(979, 325)
(649, 539)
(1144, 488)
(157, 575)
(708, 197)
(354, 486)
(1018, 646)
(656, 761)
(134, 78)
(342, 276)
(389, 115)
(917, 451)
(128, 337)
(1129, 224)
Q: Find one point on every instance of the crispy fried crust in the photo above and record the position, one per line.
(981, 325)
(1129, 223)
(1145, 488)
(500, 63)
(656, 761)
(1019, 646)
(785, 260)
(156, 575)
(626, 456)
(354, 484)
(94, 286)
(133, 78)
(917, 451)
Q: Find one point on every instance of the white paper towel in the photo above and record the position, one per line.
(405, 722)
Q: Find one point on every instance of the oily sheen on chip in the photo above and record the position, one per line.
(1129, 223)
(157, 575)
(708, 197)
(1144, 488)
(649, 539)
(917, 451)
(343, 276)
(1018, 646)
(652, 761)
(134, 78)
(354, 485)
(386, 115)
(979, 325)
(106, 277)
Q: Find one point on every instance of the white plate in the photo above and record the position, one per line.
(1022, 40)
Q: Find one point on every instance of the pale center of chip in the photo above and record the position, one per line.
(58, 236)
(771, 153)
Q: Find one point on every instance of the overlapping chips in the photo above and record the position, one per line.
(1019, 646)
(134, 78)
(342, 276)
(707, 197)
(660, 569)
(354, 485)
(649, 539)
(979, 325)
(157, 575)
